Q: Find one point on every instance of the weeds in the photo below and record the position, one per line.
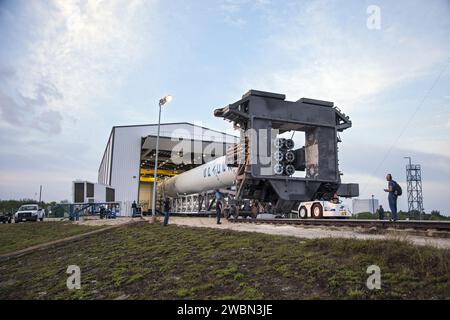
(148, 261)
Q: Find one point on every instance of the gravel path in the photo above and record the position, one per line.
(105, 222)
(309, 232)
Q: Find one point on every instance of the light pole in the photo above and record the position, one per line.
(162, 102)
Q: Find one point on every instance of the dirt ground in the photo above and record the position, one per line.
(309, 232)
(103, 222)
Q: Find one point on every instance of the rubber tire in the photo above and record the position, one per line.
(41, 219)
(306, 212)
(320, 212)
(16, 221)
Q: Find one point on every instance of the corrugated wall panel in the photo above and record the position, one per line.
(104, 176)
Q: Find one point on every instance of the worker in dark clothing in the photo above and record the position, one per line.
(102, 212)
(392, 197)
(166, 209)
(219, 206)
(134, 208)
(380, 212)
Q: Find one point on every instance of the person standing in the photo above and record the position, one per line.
(134, 208)
(166, 208)
(380, 212)
(392, 197)
(219, 206)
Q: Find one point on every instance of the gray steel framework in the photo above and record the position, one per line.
(414, 188)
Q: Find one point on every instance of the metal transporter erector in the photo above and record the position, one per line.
(262, 166)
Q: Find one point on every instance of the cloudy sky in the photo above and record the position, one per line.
(70, 70)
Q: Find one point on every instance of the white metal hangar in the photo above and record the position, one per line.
(128, 160)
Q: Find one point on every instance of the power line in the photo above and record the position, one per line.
(410, 119)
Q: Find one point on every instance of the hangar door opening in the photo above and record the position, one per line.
(175, 156)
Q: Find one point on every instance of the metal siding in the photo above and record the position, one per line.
(99, 193)
(104, 172)
(111, 158)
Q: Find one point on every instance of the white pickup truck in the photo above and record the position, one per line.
(29, 212)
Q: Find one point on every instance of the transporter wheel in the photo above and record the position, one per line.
(317, 211)
(303, 213)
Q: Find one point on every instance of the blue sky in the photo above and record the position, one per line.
(70, 70)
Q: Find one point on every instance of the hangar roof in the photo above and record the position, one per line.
(206, 133)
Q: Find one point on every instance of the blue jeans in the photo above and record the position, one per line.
(218, 214)
(393, 205)
(166, 218)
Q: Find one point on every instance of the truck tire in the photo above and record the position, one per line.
(317, 211)
(303, 212)
(41, 219)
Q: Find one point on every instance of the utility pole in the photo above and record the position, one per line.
(40, 193)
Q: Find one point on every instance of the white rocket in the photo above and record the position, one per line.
(209, 176)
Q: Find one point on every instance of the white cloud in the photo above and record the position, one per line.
(78, 52)
(436, 145)
(25, 184)
(64, 58)
(323, 54)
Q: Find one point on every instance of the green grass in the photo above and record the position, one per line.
(147, 261)
(15, 237)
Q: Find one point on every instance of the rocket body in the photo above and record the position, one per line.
(209, 176)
